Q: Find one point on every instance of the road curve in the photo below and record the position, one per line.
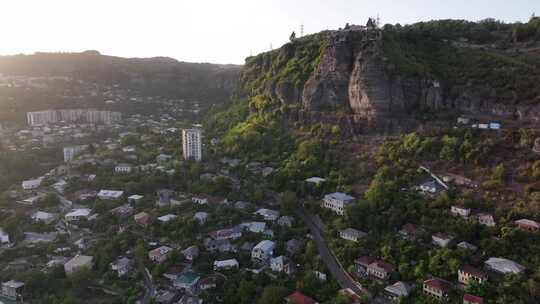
(336, 269)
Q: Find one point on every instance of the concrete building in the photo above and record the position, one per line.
(192, 144)
(263, 251)
(77, 263)
(468, 274)
(110, 194)
(226, 264)
(337, 202)
(503, 266)
(4, 237)
(12, 290)
(71, 152)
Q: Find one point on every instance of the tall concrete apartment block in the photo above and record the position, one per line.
(72, 115)
(191, 144)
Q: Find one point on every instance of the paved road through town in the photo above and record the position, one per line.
(336, 269)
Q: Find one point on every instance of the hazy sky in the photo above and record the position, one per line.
(220, 31)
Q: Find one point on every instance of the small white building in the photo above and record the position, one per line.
(31, 184)
(44, 217)
(267, 214)
(351, 234)
(4, 237)
(135, 199)
(123, 168)
(78, 214)
(167, 218)
(460, 211)
(441, 240)
(263, 251)
(337, 202)
(281, 264)
(110, 194)
(486, 219)
(226, 264)
(77, 263)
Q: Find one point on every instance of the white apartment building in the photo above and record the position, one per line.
(42, 117)
(337, 202)
(71, 152)
(192, 144)
(72, 115)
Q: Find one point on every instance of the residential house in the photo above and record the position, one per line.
(110, 194)
(486, 219)
(143, 219)
(187, 281)
(285, 221)
(159, 254)
(4, 237)
(31, 184)
(299, 298)
(267, 214)
(362, 263)
(78, 263)
(503, 266)
(200, 199)
(78, 214)
(188, 299)
(226, 234)
(352, 234)
(460, 211)
(441, 240)
(226, 264)
(282, 264)
(380, 269)
(218, 245)
(207, 283)
(201, 217)
(135, 199)
(191, 253)
(123, 169)
(123, 210)
(255, 227)
(470, 299)
(528, 225)
(44, 217)
(263, 251)
(167, 218)
(467, 274)
(12, 290)
(437, 288)
(122, 266)
(337, 202)
(397, 291)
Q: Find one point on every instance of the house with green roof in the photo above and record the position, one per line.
(187, 281)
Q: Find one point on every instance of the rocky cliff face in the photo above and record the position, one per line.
(355, 84)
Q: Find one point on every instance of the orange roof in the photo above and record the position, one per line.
(299, 298)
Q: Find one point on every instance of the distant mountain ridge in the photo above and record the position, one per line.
(153, 76)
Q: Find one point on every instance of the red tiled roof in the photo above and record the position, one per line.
(299, 298)
(473, 299)
(364, 260)
(473, 271)
(384, 265)
(438, 284)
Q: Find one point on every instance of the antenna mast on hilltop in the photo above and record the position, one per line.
(301, 30)
(271, 48)
(378, 22)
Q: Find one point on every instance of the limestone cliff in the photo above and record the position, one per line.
(367, 78)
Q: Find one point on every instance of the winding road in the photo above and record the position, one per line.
(336, 269)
